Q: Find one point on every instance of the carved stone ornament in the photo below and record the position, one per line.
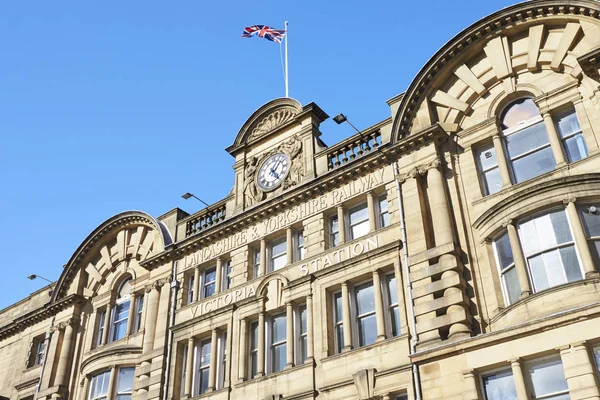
(292, 148)
(272, 121)
(364, 380)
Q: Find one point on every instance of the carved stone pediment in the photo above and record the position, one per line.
(272, 121)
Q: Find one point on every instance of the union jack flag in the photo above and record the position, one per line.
(274, 35)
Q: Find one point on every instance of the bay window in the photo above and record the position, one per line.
(549, 250)
(125, 383)
(99, 386)
(359, 221)
(570, 133)
(506, 267)
(121, 311)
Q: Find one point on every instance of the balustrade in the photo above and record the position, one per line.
(207, 218)
(353, 148)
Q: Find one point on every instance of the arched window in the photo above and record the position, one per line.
(121, 311)
(528, 148)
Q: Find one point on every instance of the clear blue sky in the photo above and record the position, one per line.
(113, 106)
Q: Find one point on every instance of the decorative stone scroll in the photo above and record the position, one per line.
(272, 121)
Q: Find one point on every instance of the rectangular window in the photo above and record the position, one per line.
(366, 323)
(99, 386)
(300, 250)
(302, 335)
(392, 303)
(547, 378)
(256, 262)
(499, 386)
(384, 214)
(253, 348)
(338, 322)
(506, 267)
(210, 275)
(334, 231)
(590, 217)
(36, 355)
(222, 360)
(202, 367)
(125, 383)
(570, 133)
(139, 308)
(487, 166)
(120, 316)
(100, 326)
(359, 221)
(227, 274)
(549, 249)
(278, 253)
(183, 370)
(278, 343)
(190, 291)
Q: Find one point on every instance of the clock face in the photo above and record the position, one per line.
(273, 171)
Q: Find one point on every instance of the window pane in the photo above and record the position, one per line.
(124, 289)
(576, 148)
(561, 226)
(278, 330)
(337, 299)
(554, 268)
(571, 264)
(529, 237)
(486, 157)
(521, 110)
(279, 262)
(367, 330)
(504, 251)
(595, 249)
(395, 318)
(205, 353)
(210, 275)
(568, 124)
(591, 219)
(204, 380)
(526, 140)
(209, 290)
(538, 272)
(492, 181)
(358, 214)
(548, 377)
(597, 354)
(339, 331)
(534, 164)
(279, 357)
(119, 330)
(333, 225)
(365, 298)
(392, 290)
(360, 230)
(278, 247)
(500, 386)
(511, 282)
(303, 326)
(125, 380)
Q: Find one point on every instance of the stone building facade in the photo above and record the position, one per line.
(449, 252)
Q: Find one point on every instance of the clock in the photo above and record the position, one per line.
(273, 171)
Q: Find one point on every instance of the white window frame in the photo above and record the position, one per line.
(493, 372)
(105, 375)
(190, 289)
(226, 271)
(563, 139)
(253, 352)
(198, 367)
(272, 258)
(125, 320)
(381, 214)
(138, 312)
(338, 323)
(222, 359)
(546, 250)
(333, 234)
(117, 383)
(100, 327)
(355, 317)
(206, 283)
(482, 171)
(270, 345)
(529, 382)
(255, 262)
(299, 246)
(300, 336)
(385, 290)
(348, 219)
(183, 370)
(501, 273)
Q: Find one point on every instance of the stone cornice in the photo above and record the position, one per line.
(33, 317)
(476, 34)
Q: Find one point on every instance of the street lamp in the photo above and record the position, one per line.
(188, 195)
(341, 118)
(34, 276)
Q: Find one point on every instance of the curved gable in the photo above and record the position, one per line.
(496, 57)
(125, 236)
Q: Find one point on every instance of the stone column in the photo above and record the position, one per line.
(346, 320)
(372, 216)
(501, 159)
(263, 257)
(379, 313)
(131, 316)
(219, 275)
(580, 238)
(289, 243)
(341, 224)
(64, 360)
(107, 318)
(579, 371)
(212, 372)
(243, 355)
(289, 335)
(189, 365)
(151, 316)
(196, 287)
(309, 329)
(517, 371)
(554, 139)
(519, 258)
(470, 386)
(112, 382)
(260, 367)
(438, 205)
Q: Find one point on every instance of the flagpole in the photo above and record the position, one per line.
(287, 91)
